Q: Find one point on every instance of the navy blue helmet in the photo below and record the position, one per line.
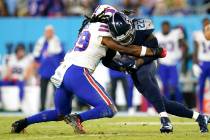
(121, 28)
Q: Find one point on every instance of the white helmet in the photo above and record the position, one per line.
(108, 9)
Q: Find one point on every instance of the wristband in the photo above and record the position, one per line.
(143, 51)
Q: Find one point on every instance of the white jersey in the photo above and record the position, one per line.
(88, 49)
(171, 43)
(203, 46)
(19, 67)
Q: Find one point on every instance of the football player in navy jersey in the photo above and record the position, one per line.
(143, 70)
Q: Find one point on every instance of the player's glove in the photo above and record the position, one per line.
(127, 63)
(196, 70)
(159, 52)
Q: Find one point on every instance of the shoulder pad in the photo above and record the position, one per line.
(143, 24)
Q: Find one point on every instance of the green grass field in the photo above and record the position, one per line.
(125, 128)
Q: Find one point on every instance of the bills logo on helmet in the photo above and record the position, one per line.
(109, 10)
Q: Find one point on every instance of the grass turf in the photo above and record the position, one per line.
(125, 128)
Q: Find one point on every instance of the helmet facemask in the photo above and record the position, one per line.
(128, 37)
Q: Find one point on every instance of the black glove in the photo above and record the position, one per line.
(159, 52)
(127, 63)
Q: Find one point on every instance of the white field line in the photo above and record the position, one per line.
(150, 123)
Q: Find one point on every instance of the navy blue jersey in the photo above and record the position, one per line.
(144, 28)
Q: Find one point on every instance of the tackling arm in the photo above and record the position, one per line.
(118, 63)
(109, 62)
(151, 41)
(133, 50)
(125, 63)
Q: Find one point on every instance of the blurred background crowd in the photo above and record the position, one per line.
(57, 8)
(26, 66)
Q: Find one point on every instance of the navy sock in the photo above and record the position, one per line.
(44, 116)
(177, 109)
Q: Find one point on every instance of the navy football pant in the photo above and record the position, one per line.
(146, 83)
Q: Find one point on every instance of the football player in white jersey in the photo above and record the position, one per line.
(201, 66)
(18, 64)
(172, 40)
(73, 76)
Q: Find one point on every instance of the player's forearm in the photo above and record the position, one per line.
(134, 50)
(139, 51)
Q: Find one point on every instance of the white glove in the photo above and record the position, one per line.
(57, 78)
(196, 70)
